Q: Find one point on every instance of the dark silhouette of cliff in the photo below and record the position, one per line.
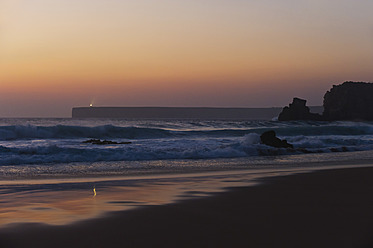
(348, 101)
(202, 113)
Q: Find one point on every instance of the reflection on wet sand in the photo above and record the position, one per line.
(59, 203)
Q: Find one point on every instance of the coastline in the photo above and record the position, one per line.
(103, 170)
(325, 208)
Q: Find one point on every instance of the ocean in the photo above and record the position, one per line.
(42, 147)
(49, 175)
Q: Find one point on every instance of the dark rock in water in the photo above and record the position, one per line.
(91, 141)
(349, 101)
(297, 110)
(342, 149)
(105, 142)
(269, 138)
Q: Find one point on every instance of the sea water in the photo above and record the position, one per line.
(49, 175)
(55, 147)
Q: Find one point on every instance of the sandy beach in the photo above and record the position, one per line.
(328, 208)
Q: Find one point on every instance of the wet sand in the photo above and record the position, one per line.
(329, 208)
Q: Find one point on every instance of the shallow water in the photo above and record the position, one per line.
(177, 166)
(59, 202)
(69, 200)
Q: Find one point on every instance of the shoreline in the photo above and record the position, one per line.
(252, 169)
(324, 208)
(126, 169)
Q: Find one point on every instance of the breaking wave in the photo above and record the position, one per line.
(246, 146)
(24, 132)
(54, 144)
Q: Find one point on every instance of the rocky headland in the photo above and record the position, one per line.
(352, 101)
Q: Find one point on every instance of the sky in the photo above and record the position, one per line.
(59, 54)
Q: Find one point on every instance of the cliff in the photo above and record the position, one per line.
(348, 101)
(177, 113)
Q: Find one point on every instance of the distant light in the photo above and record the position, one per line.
(91, 105)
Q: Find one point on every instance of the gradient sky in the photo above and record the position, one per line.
(56, 54)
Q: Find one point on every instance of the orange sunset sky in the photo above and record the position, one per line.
(57, 54)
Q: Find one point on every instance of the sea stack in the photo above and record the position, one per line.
(297, 110)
